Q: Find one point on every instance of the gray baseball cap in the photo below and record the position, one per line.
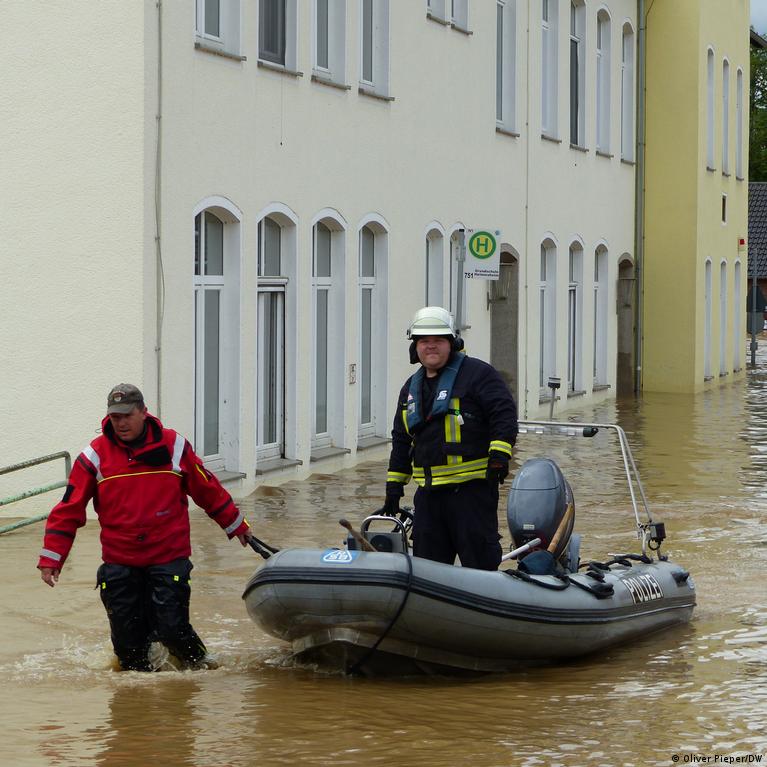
(123, 398)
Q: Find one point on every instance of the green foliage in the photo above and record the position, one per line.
(757, 151)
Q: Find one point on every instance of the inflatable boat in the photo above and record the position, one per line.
(371, 607)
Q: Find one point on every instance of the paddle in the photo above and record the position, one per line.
(361, 540)
(521, 550)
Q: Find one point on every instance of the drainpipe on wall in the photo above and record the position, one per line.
(160, 274)
(525, 254)
(639, 191)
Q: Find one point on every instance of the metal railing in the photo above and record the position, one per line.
(37, 490)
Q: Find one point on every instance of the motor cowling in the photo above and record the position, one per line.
(538, 499)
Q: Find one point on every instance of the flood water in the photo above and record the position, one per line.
(695, 691)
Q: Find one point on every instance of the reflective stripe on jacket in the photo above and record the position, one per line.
(453, 448)
(140, 497)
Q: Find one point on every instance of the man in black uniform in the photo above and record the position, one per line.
(454, 429)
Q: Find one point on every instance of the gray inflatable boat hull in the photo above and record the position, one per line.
(334, 605)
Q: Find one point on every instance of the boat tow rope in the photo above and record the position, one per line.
(355, 669)
(264, 549)
(599, 590)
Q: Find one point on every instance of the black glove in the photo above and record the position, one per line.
(497, 467)
(394, 491)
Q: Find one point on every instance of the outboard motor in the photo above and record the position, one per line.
(538, 499)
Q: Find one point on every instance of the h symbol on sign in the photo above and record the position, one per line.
(482, 245)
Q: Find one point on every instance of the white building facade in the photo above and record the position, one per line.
(239, 205)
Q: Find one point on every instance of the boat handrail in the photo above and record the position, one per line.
(579, 429)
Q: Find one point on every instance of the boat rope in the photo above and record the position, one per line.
(564, 581)
(355, 669)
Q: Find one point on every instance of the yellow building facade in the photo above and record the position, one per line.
(693, 269)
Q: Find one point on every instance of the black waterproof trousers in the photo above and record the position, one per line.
(148, 604)
(458, 520)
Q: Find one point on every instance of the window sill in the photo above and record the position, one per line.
(506, 131)
(723, 375)
(275, 464)
(459, 28)
(710, 169)
(279, 68)
(224, 476)
(739, 178)
(726, 175)
(433, 17)
(365, 91)
(573, 393)
(553, 139)
(609, 156)
(578, 148)
(328, 452)
(218, 52)
(330, 83)
(546, 398)
(365, 443)
(627, 162)
(708, 378)
(600, 387)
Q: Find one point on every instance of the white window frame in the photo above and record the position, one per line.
(725, 117)
(459, 14)
(575, 318)
(375, 82)
(737, 317)
(228, 38)
(226, 285)
(289, 60)
(547, 353)
(336, 330)
(378, 423)
(739, 124)
(601, 266)
(604, 36)
(627, 93)
(710, 109)
(707, 303)
(276, 288)
(549, 67)
(577, 127)
(723, 317)
(334, 69)
(506, 65)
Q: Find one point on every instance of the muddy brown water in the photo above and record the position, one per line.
(695, 691)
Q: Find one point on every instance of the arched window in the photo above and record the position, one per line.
(737, 318)
(739, 124)
(372, 271)
(723, 318)
(548, 313)
(574, 316)
(708, 300)
(725, 116)
(328, 257)
(600, 315)
(710, 109)
(627, 93)
(216, 312)
(603, 82)
(275, 328)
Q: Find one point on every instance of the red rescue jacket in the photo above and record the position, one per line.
(140, 496)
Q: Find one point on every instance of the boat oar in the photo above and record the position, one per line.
(566, 517)
(361, 540)
(529, 546)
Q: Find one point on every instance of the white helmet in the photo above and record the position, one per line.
(432, 321)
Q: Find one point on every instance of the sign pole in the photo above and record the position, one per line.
(753, 310)
(459, 287)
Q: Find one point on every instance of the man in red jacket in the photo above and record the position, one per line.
(139, 475)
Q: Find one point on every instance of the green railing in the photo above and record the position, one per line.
(37, 490)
